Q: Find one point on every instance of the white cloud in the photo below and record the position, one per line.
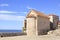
(11, 17)
(22, 12)
(28, 7)
(4, 5)
(4, 11)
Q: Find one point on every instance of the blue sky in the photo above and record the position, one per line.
(13, 12)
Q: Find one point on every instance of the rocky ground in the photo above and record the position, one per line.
(45, 37)
(52, 35)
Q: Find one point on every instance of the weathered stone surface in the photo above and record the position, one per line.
(55, 32)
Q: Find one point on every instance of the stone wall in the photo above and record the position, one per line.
(31, 27)
(43, 25)
(54, 21)
(59, 26)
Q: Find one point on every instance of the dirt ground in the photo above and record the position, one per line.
(45, 37)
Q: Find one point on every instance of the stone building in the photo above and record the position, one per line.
(37, 23)
(53, 21)
(59, 24)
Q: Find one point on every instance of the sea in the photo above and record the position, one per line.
(7, 31)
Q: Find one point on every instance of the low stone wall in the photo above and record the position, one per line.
(11, 34)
